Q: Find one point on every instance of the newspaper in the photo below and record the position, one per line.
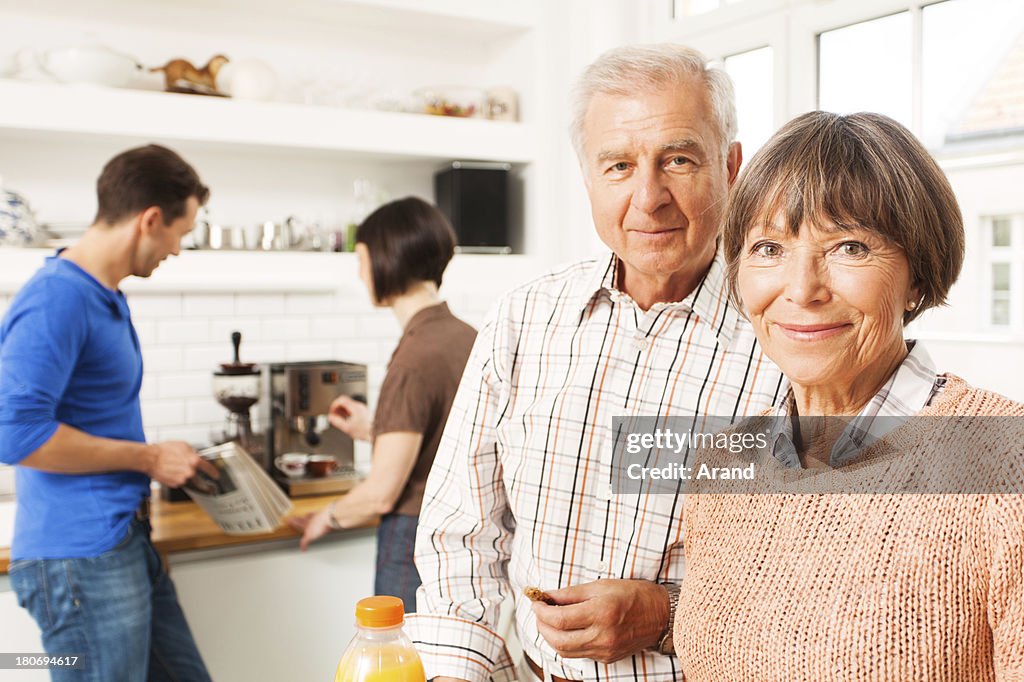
(244, 500)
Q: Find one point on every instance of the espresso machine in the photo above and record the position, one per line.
(296, 401)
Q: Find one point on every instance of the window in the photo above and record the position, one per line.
(1001, 232)
(1004, 249)
(972, 67)
(964, 83)
(752, 73)
(878, 79)
(950, 70)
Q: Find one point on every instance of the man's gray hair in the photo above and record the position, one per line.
(647, 68)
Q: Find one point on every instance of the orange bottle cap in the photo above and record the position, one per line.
(380, 612)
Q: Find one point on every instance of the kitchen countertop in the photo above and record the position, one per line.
(183, 526)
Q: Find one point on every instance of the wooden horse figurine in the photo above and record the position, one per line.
(179, 72)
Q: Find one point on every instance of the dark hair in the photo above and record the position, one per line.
(409, 241)
(862, 170)
(147, 176)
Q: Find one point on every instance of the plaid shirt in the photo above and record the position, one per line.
(911, 387)
(520, 492)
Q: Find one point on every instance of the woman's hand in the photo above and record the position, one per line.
(313, 526)
(351, 417)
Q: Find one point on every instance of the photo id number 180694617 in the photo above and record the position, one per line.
(35, 661)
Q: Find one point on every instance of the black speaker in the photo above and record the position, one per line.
(474, 198)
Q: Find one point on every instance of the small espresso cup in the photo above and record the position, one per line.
(319, 466)
(292, 464)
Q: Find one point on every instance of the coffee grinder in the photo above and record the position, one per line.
(236, 386)
(298, 400)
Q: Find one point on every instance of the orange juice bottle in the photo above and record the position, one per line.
(380, 651)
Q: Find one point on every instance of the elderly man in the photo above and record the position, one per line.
(520, 493)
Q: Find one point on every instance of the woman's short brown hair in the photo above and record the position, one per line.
(409, 241)
(147, 176)
(861, 170)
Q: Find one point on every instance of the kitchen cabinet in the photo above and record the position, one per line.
(18, 634)
(259, 608)
(267, 614)
(279, 614)
(266, 160)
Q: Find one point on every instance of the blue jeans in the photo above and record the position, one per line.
(118, 610)
(396, 573)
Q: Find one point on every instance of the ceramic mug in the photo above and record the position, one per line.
(319, 466)
(225, 238)
(280, 236)
(292, 464)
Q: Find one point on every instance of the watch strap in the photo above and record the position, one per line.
(332, 520)
(666, 645)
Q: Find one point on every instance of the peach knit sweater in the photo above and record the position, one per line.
(784, 587)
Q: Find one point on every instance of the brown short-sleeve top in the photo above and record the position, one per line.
(419, 388)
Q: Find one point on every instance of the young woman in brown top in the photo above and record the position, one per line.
(403, 248)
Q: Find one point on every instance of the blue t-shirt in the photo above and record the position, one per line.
(69, 355)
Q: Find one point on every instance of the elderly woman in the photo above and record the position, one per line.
(841, 231)
(403, 248)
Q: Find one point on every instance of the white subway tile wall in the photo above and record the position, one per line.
(208, 306)
(185, 336)
(193, 335)
(285, 328)
(6, 482)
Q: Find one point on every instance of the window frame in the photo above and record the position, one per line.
(749, 151)
(1013, 255)
(791, 28)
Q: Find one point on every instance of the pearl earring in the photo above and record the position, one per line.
(911, 305)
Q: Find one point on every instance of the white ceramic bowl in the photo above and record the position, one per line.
(96, 65)
(248, 79)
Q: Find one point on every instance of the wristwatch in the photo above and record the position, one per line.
(666, 645)
(332, 520)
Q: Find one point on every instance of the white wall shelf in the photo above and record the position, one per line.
(277, 272)
(78, 110)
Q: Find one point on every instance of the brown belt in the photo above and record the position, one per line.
(142, 512)
(539, 672)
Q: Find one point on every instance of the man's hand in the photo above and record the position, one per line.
(605, 620)
(313, 526)
(351, 417)
(174, 462)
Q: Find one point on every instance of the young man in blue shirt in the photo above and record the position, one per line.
(70, 371)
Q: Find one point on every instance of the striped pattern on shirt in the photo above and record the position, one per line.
(520, 493)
